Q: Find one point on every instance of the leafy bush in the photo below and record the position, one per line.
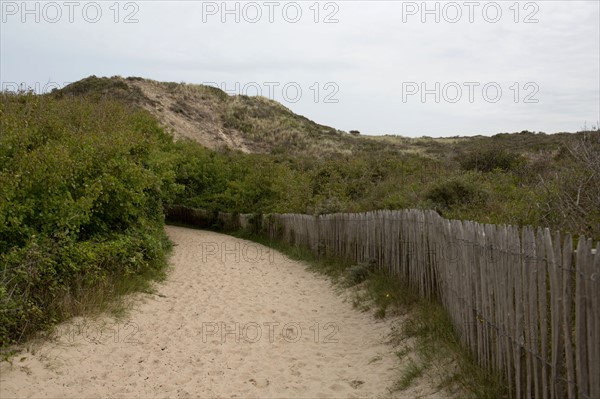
(358, 273)
(489, 159)
(455, 191)
(82, 184)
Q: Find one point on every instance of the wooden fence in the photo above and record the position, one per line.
(524, 301)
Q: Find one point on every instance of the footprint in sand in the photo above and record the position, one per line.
(295, 369)
(260, 382)
(356, 383)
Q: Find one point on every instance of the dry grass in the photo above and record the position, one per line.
(219, 121)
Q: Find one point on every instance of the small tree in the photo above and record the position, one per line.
(573, 197)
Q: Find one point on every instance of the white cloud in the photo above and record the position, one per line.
(370, 55)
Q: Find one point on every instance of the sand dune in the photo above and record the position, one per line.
(234, 319)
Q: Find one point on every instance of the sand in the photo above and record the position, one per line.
(233, 319)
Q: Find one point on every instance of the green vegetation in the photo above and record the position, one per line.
(491, 159)
(81, 191)
(455, 192)
(439, 350)
(296, 165)
(86, 173)
(101, 88)
(411, 372)
(559, 190)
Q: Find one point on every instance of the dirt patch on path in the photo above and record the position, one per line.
(233, 319)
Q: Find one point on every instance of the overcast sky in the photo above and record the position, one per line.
(380, 67)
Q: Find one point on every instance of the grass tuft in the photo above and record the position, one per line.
(408, 376)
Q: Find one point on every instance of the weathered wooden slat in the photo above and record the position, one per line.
(506, 329)
(581, 346)
(524, 324)
(517, 336)
(516, 298)
(542, 290)
(554, 256)
(567, 322)
(479, 272)
(594, 323)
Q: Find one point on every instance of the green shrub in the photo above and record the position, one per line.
(449, 193)
(357, 274)
(114, 88)
(360, 272)
(489, 159)
(82, 183)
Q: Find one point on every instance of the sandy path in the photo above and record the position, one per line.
(287, 334)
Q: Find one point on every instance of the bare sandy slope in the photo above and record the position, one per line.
(286, 334)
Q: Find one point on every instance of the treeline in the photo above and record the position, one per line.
(84, 182)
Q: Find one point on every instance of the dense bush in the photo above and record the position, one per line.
(455, 191)
(248, 183)
(489, 159)
(81, 190)
(573, 195)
